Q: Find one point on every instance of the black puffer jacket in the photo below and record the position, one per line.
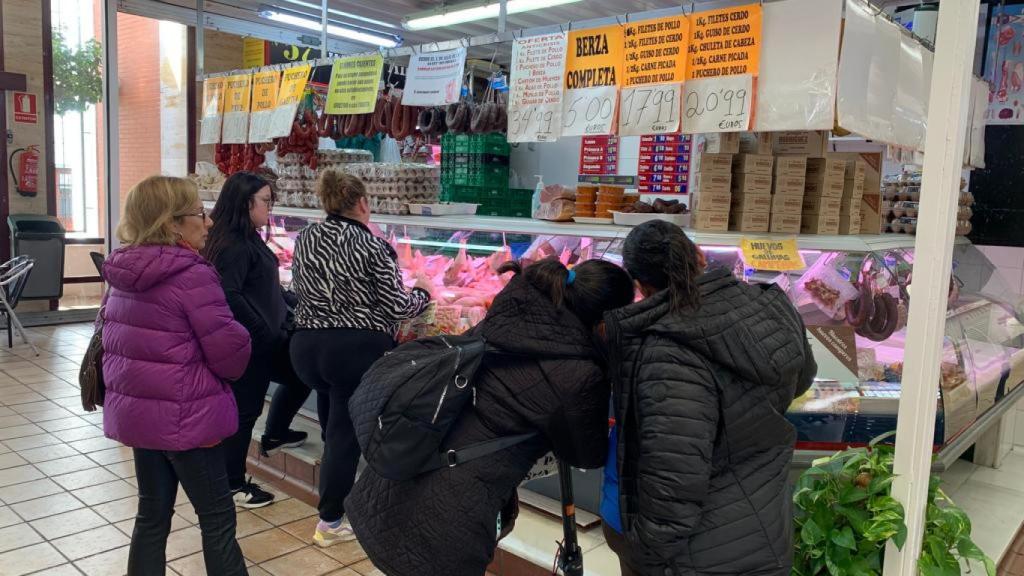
(704, 447)
(547, 380)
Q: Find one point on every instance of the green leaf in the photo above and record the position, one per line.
(880, 484)
(900, 538)
(879, 439)
(812, 534)
(844, 538)
(851, 494)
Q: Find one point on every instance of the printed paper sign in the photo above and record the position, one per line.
(355, 82)
(840, 341)
(293, 84)
(718, 104)
(590, 111)
(594, 59)
(213, 108)
(1004, 65)
(535, 105)
(237, 97)
(650, 109)
(725, 42)
(776, 255)
(264, 98)
(655, 51)
(434, 78)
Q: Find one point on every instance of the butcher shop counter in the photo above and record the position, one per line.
(860, 355)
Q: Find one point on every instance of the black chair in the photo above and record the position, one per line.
(13, 277)
(97, 261)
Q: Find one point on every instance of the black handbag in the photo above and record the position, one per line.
(90, 376)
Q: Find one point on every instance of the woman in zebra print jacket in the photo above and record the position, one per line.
(351, 300)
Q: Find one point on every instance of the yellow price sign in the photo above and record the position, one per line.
(213, 96)
(238, 90)
(264, 90)
(355, 81)
(772, 254)
(293, 83)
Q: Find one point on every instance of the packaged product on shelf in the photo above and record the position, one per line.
(713, 184)
(853, 190)
(753, 164)
(713, 164)
(789, 186)
(826, 288)
(749, 221)
(829, 168)
(752, 203)
(709, 221)
(850, 223)
(586, 200)
(785, 223)
(856, 170)
(392, 187)
(557, 203)
(751, 184)
(720, 143)
(820, 223)
(784, 204)
(717, 201)
(755, 142)
(828, 188)
(790, 166)
(822, 204)
(803, 143)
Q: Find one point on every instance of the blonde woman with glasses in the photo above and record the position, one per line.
(170, 347)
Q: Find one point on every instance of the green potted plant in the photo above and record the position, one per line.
(845, 515)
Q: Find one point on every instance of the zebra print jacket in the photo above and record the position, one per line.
(345, 277)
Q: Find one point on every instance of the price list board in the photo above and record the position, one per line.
(599, 155)
(664, 164)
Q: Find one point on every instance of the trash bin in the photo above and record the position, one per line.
(41, 238)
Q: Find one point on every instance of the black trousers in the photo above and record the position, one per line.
(333, 362)
(618, 544)
(201, 474)
(250, 391)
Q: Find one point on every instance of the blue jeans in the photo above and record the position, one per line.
(202, 474)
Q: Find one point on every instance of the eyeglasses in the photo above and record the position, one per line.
(201, 214)
(268, 202)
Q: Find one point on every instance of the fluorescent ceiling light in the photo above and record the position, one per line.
(332, 29)
(342, 14)
(462, 13)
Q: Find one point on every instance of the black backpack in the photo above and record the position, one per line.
(408, 401)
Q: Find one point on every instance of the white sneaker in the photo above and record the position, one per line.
(329, 535)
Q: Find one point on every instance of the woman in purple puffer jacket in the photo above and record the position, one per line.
(170, 346)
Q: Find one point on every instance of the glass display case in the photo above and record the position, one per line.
(853, 294)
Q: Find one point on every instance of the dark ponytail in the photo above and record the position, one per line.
(660, 255)
(588, 290)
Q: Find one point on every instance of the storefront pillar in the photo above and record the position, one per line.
(112, 126)
(940, 188)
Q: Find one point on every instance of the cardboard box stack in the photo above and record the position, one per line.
(790, 179)
(712, 183)
(751, 192)
(826, 179)
(850, 208)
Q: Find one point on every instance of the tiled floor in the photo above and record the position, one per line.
(68, 495)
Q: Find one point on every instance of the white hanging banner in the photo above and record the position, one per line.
(238, 97)
(855, 67)
(535, 102)
(213, 110)
(590, 111)
(434, 78)
(720, 104)
(799, 97)
(911, 106)
(650, 109)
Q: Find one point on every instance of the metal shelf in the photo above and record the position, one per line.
(949, 453)
(861, 243)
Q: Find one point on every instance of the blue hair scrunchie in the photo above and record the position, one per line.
(571, 278)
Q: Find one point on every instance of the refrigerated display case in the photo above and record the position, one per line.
(852, 293)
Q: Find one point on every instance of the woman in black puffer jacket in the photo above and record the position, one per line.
(704, 369)
(546, 378)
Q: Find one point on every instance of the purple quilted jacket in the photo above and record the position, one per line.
(170, 344)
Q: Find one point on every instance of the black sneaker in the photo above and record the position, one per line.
(292, 439)
(251, 496)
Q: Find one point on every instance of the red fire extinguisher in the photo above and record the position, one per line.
(26, 177)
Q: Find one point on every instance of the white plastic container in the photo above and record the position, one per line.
(456, 209)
